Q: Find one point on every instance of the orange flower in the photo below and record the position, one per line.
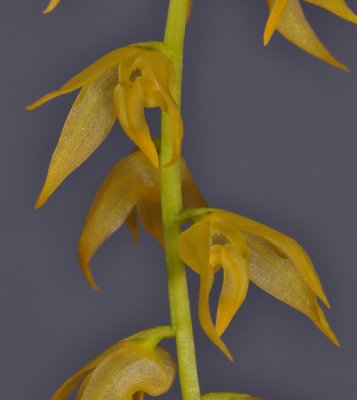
(126, 370)
(121, 84)
(132, 186)
(248, 250)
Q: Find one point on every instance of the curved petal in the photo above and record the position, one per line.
(285, 244)
(80, 376)
(86, 76)
(89, 122)
(128, 181)
(234, 288)
(132, 224)
(150, 216)
(122, 374)
(189, 9)
(83, 386)
(277, 275)
(51, 6)
(176, 127)
(222, 223)
(136, 116)
(129, 105)
(295, 28)
(194, 247)
(337, 7)
(191, 194)
(276, 11)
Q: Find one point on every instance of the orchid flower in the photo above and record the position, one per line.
(120, 84)
(248, 250)
(126, 371)
(132, 186)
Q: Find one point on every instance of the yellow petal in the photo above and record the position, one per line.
(150, 216)
(277, 275)
(83, 386)
(285, 244)
(90, 73)
(277, 10)
(189, 9)
(222, 223)
(129, 371)
(136, 116)
(191, 194)
(337, 7)
(158, 78)
(194, 245)
(51, 6)
(67, 388)
(88, 124)
(133, 225)
(234, 288)
(130, 109)
(295, 28)
(176, 128)
(129, 180)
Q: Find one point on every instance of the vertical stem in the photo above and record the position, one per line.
(171, 203)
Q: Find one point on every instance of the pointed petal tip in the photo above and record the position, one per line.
(267, 36)
(42, 197)
(40, 202)
(84, 263)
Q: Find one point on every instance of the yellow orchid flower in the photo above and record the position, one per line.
(288, 18)
(51, 6)
(120, 84)
(132, 186)
(126, 371)
(247, 249)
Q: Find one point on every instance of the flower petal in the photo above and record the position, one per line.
(86, 76)
(132, 369)
(285, 244)
(136, 116)
(132, 224)
(234, 288)
(191, 194)
(277, 275)
(51, 6)
(67, 388)
(295, 28)
(150, 216)
(129, 180)
(276, 11)
(224, 224)
(189, 9)
(194, 245)
(129, 105)
(89, 122)
(176, 128)
(337, 7)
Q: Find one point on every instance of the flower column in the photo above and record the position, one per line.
(171, 203)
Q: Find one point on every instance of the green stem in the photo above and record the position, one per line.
(171, 203)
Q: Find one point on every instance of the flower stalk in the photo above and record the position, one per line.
(171, 204)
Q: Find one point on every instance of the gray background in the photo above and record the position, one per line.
(270, 133)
